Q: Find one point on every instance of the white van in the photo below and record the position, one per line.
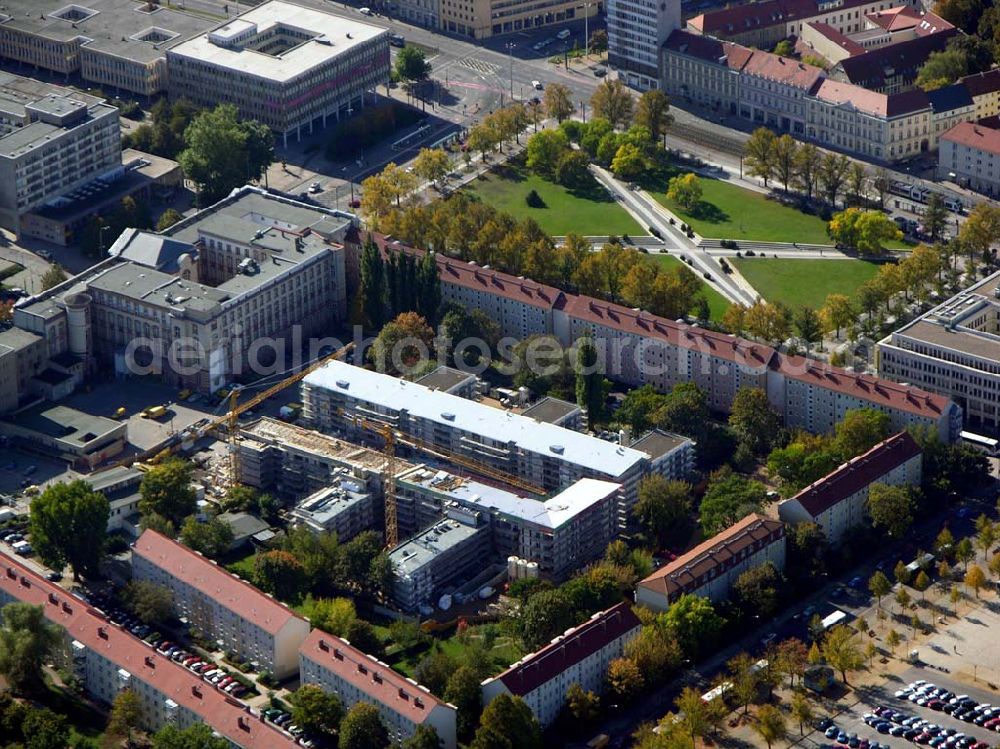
(564, 34)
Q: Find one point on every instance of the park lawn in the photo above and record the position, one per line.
(591, 212)
(717, 304)
(727, 211)
(503, 653)
(804, 282)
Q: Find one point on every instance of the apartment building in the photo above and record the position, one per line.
(194, 304)
(703, 70)
(710, 568)
(290, 67)
(969, 154)
(22, 357)
(433, 563)
(892, 68)
(114, 44)
(297, 462)
(636, 32)
(637, 348)
(334, 665)
(838, 502)
(579, 656)
(773, 91)
(343, 508)
(547, 456)
(481, 19)
(221, 606)
(52, 140)
(764, 24)
(953, 350)
(106, 660)
(984, 88)
(561, 534)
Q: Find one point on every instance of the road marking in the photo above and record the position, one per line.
(474, 63)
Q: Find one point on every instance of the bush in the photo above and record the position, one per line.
(266, 679)
(534, 200)
(116, 543)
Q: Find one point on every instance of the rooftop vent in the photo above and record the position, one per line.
(73, 13)
(557, 449)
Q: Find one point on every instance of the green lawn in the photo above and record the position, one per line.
(589, 212)
(727, 211)
(717, 303)
(502, 654)
(804, 282)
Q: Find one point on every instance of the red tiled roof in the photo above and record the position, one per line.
(374, 679)
(708, 48)
(904, 58)
(975, 136)
(743, 18)
(871, 102)
(895, 19)
(567, 650)
(783, 69)
(684, 572)
(979, 84)
(213, 581)
(874, 390)
(932, 23)
(857, 473)
(224, 714)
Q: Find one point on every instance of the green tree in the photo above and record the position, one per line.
(166, 491)
(558, 101)
(52, 277)
(411, 64)
(922, 583)
(879, 586)
(69, 525)
(224, 152)
(152, 604)
(545, 615)
(653, 113)
(965, 552)
(758, 154)
(842, 650)
(729, 499)
(944, 544)
(628, 162)
(893, 640)
(44, 729)
(693, 623)
(464, 692)
(860, 430)
(745, 679)
(316, 711)
(168, 218)
(403, 345)
(425, 737)
(280, 574)
(756, 425)
(362, 728)
(590, 388)
(807, 165)
(975, 578)
(27, 641)
(891, 508)
(211, 538)
(663, 506)
(935, 216)
(692, 714)
(331, 615)
(583, 706)
(544, 150)
(612, 100)
(432, 164)
(757, 590)
(126, 715)
(807, 324)
(770, 725)
(941, 69)
(785, 159)
(685, 190)
(507, 723)
(373, 285)
(198, 736)
(802, 711)
(838, 311)
(831, 176)
(572, 170)
(625, 680)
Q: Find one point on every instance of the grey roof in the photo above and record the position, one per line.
(243, 524)
(150, 250)
(445, 378)
(14, 339)
(66, 424)
(551, 410)
(951, 97)
(422, 548)
(658, 443)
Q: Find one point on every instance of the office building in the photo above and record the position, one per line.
(954, 350)
(290, 67)
(838, 502)
(343, 508)
(547, 456)
(636, 32)
(579, 656)
(969, 154)
(222, 607)
(334, 665)
(117, 45)
(106, 660)
(82, 440)
(710, 568)
(52, 140)
(637, 348)
(436, 561)
(560, 534)
(194, 304)
(481, 19)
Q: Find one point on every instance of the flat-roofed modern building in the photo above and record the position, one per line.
(343, 508)
(711, 567)
(81, 439)
(560, 534)
(221, 606)
(107, 660)
(335, 665)
(193, 304)
(838, 502)
(52, 140)
(953, 350)
(579, 656)
(288, 66)
(548, 456)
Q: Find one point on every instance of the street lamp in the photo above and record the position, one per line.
(510, 58)
(586, 28)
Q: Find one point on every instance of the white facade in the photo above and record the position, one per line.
(637, 30)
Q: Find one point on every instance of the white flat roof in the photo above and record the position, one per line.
(332, 36)
(550, 513)
(476, 418)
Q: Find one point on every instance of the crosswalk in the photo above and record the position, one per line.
(480, 66)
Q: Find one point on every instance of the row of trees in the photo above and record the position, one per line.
(396, 284)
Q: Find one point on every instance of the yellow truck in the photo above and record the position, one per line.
(154, 412)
